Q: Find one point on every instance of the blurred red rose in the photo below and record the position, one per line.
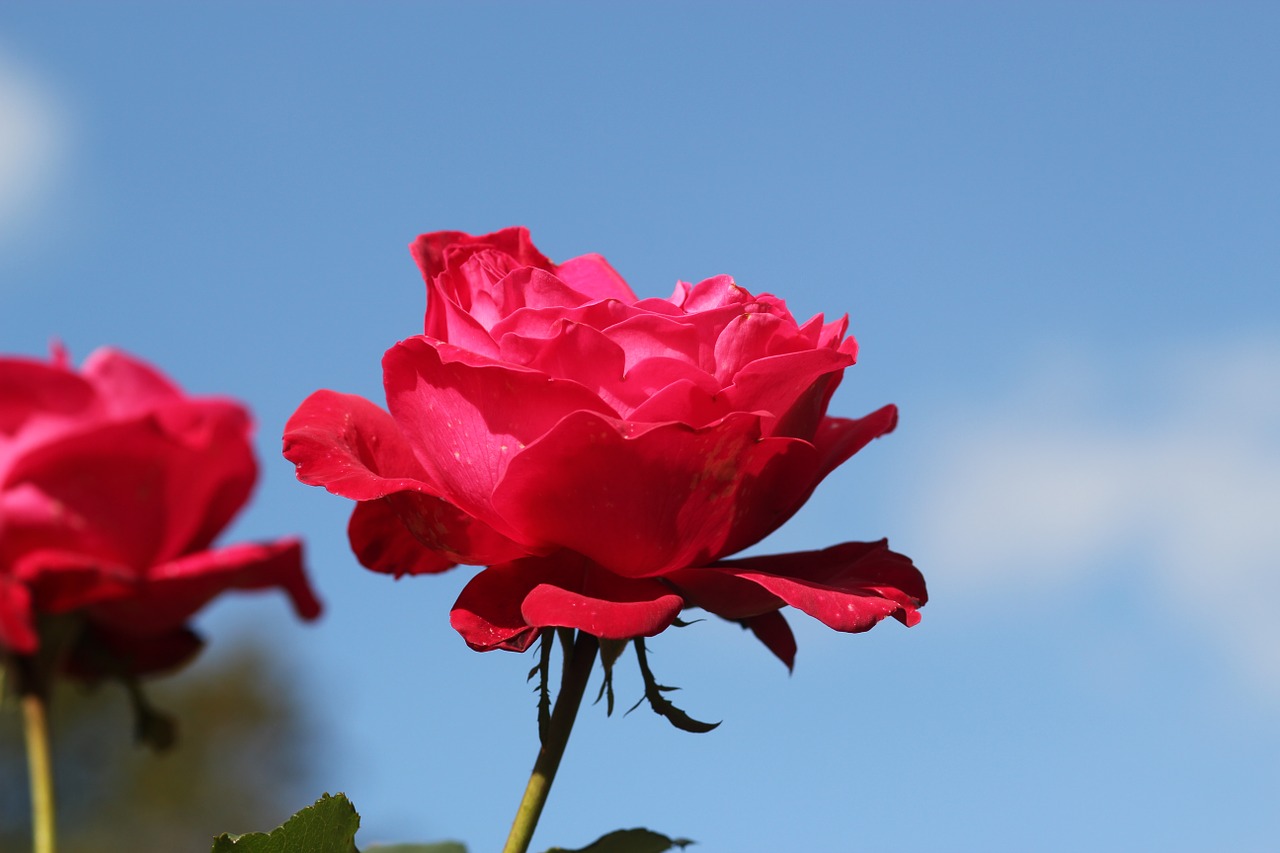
(601, 454)
(113, 485)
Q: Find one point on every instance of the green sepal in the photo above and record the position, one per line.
(629, 841)
(662, 705)
(543, 670)
(610, 651)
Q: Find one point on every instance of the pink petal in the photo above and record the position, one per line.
(440, 249)
(772, 630)
(715, 292)
(128, 385)
(644, 502)
(446, 320)
(173, 592)
(382, 542)
(456, 411)
(794, 387)
(40, 402)
(838, 439)
(145, 490)
(848, 587)
(354, 449)
(592, 276)
(505, 605)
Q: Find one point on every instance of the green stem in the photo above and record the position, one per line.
(35, 720)
(577, 671)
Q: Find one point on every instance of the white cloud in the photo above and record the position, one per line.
(32, 144)
(1169, 468)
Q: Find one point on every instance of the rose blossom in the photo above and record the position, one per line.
(601, 454)
(113, 485)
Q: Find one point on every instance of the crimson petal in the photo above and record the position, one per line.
(354, 449)
(849, 587)
(173, 592)
(504, 606)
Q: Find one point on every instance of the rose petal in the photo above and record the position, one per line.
(592, 276)
(17, 621)
(140, 491)
(436, 251)
(456, 411)
(505, 605)
(173, 592)
(581, 354)
(772, 630)
(34, 393)
(603, 604)
(794, 387)
(848, 587)
(838, 439)
(354, 449)
(715, 292)
(644, 501)
(446, 320)
(382, 542)
(128, 386)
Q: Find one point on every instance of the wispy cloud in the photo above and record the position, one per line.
(1169, 467)
(32, 145)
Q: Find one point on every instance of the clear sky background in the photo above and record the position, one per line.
(1055, 227)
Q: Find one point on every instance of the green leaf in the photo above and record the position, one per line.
(327, 826)
(438, 847)
(629, 841)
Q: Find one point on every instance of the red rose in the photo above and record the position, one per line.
(113, 485)
(600, 453)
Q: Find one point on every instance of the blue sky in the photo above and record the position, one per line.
(1054, 227)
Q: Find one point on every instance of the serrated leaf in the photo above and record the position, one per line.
(327, 826)
(662, 705)
(438, 847)
(629, 841)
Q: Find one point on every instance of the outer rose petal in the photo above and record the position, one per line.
(456, 411)
(36, 396)
(140, 491)
(793, 387)
(849, 587)
(354, 449)
(661, 499)
(839, 438)
(772, 630)
(172, 593)
(127, 385)
(504, 606)
(383, 543)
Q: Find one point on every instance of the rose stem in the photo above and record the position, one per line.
(35, 726)
(577, 671)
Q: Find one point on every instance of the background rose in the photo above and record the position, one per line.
(599, 453)
(113, 485)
